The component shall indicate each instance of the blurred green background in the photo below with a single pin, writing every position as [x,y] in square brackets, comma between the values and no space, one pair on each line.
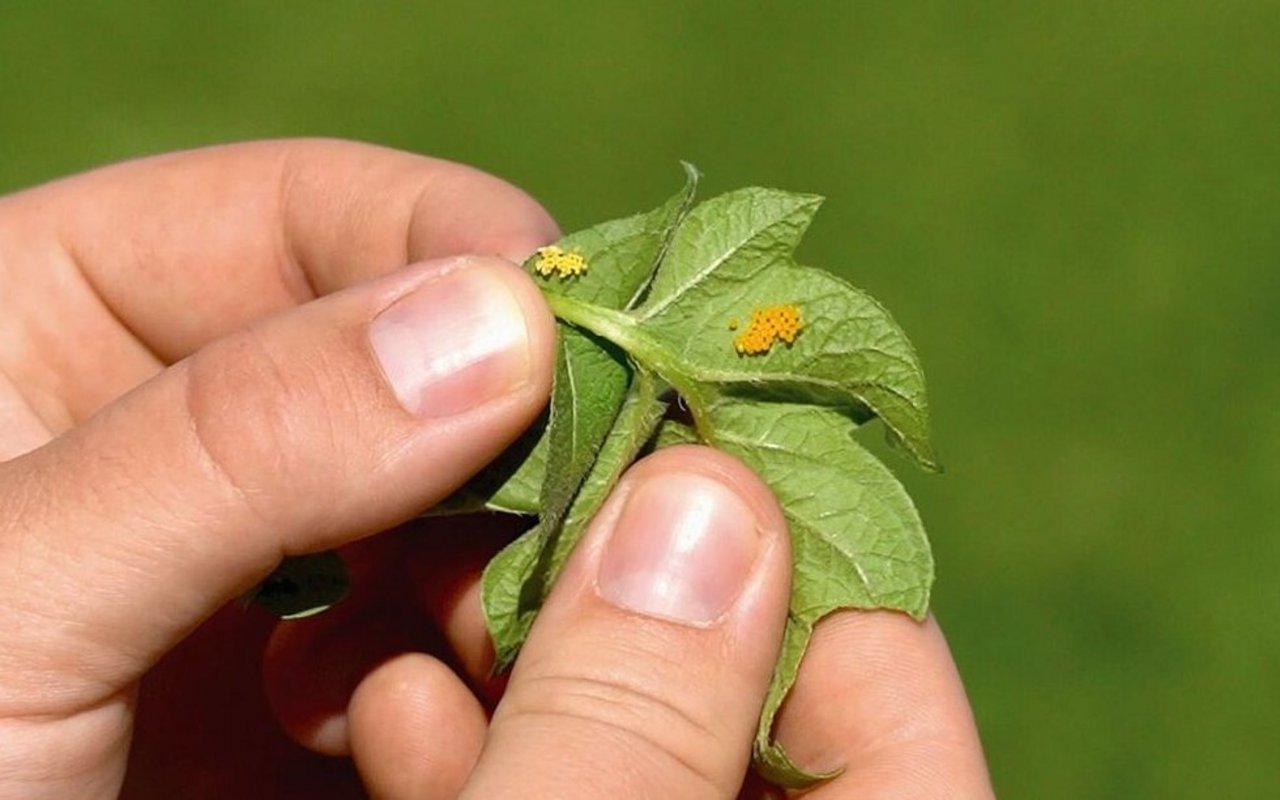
[1072,207]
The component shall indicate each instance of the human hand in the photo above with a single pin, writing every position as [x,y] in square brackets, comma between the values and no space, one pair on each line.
[139,498]
[135,517]
[608,700]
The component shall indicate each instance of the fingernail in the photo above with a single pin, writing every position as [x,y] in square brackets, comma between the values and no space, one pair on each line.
[454,343]
[681,549]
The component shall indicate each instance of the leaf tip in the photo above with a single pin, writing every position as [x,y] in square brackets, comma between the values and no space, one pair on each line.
[917,447]
[775,766]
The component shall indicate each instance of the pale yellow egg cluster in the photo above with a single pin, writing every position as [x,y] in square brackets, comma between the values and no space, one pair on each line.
[553,260]
[768,326]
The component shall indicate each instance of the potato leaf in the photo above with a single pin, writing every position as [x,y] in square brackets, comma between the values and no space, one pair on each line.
[856,539]
[731,257]
[518,579]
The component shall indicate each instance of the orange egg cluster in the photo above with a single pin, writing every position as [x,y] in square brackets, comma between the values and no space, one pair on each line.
[557,261]
[767,326]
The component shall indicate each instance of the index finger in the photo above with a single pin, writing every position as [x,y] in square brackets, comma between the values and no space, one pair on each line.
[184,247]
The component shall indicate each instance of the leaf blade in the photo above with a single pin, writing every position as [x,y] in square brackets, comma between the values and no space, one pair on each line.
[731,256]
[857,540]
[517,580]
[741,231]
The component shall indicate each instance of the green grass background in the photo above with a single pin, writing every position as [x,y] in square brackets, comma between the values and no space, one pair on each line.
[1072,207]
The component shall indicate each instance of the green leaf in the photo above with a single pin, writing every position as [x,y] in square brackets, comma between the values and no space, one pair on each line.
[517,581]
[849,354]
[508,610]
[856,539]
[592,376]
[591,383]
[636,422]
[771,761]
[673,432]
[732,255]
[789,411]
[302,586]
[736,233]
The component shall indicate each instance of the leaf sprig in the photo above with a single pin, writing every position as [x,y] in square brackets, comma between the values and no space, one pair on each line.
[653,306]
[654,311]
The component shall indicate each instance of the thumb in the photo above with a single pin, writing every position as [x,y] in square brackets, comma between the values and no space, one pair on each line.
[342,417]
[646,671]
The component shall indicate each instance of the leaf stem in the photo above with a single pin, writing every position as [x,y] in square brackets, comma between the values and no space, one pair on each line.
[616,326]
[622,329]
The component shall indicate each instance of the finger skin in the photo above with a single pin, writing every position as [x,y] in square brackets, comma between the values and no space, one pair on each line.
[879,697]
[203,731]
[416,730]
[204,477]
[446,566]
[311,667]
[21,431]
[109,275]
[123,534]
[407,591]
[606,701]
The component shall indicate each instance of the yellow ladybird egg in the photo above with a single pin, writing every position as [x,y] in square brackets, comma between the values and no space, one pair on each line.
[554,260]
[768,326]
